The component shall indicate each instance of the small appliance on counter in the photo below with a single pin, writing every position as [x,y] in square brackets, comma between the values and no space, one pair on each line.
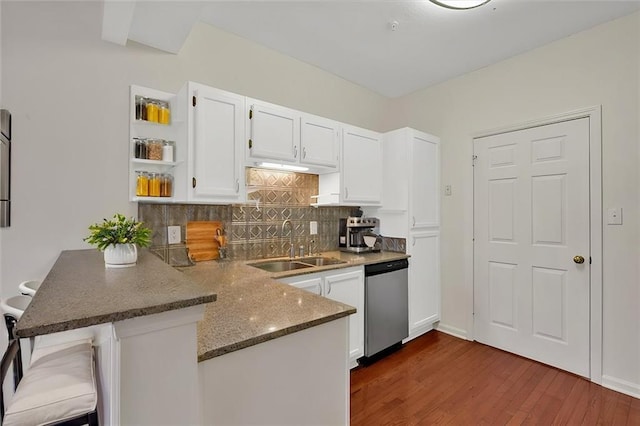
[353,231]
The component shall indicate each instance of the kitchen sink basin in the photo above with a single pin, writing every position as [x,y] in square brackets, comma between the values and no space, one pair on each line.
[280,265]
[321,261]
[290,265]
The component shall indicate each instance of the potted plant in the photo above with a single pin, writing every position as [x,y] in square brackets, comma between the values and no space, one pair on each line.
[118,239]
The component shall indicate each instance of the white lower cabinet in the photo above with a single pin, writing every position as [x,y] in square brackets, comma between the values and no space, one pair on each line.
[424,281]
[312,285]
[345,286]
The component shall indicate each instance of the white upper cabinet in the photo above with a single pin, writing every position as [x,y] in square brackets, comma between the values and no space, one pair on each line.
[285,136]
[274,132]
[424,194]
[215,140]
[361,169]
[411,170]
[320,141]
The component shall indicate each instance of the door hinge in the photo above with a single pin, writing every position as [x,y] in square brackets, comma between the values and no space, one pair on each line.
[589,260]
[250,114]
[193,182]
[473,160]
[193,101]
[250,144]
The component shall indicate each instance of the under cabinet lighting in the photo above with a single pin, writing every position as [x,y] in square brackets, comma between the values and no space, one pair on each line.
[283,167]
[459,4]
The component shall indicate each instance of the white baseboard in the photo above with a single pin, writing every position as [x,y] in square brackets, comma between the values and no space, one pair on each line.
[623,386]
[453,331]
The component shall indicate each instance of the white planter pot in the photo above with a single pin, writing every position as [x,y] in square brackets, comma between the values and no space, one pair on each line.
[120,256]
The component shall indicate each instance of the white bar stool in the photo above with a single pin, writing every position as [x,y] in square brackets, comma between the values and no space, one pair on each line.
[59,388]
[15,305]
[29,288]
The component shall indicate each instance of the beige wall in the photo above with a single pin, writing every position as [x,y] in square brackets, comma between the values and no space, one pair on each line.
[596,67]
[69,91]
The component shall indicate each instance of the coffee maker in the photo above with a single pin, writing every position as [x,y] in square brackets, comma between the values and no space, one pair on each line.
[352,232]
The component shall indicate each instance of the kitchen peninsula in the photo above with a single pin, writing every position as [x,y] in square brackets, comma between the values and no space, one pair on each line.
[149,317]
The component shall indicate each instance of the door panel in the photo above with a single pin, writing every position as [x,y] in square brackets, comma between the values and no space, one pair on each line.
[425,187]
[531,217]
[319,141]
[217,146]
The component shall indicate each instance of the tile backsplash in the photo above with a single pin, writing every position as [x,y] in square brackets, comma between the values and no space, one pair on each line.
[254,229]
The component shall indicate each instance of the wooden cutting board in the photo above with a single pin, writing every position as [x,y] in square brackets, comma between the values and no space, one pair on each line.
[201,241]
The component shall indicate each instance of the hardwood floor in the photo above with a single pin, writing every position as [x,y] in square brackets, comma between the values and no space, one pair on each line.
[439,379]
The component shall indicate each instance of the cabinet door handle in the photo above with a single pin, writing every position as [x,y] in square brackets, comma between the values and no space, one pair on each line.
[329,287]
[414,241]
[295,151]
[193,182]
[346,192]
[414,221]
[304,152]
[319,290]
[237,185]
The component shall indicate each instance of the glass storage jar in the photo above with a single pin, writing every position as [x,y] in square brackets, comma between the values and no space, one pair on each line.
[142,184]
[152,111]
[141,108]
[166,185]
[154,149]
[164,113]
[168,149]
[140,148]
[154,184]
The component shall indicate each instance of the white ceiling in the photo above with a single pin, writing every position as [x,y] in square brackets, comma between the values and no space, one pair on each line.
[355,40]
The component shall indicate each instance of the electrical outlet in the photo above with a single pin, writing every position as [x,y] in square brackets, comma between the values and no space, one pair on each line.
[173,234]
[313,227]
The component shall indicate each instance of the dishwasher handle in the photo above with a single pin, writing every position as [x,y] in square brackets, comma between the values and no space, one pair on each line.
[384,267]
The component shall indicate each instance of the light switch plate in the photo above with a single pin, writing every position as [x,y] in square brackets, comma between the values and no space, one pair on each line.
[614,216]
[173,234]
[313,227]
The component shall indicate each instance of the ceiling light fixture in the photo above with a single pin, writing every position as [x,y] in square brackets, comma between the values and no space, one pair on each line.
[460,4]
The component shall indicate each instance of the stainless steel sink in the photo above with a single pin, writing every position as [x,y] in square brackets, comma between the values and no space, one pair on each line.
[280,265]
[290,265]
[321,261]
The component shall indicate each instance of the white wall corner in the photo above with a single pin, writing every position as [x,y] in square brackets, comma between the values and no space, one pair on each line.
[117,17]
[452,331]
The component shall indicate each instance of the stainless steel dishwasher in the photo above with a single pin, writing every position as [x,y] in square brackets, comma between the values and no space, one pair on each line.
[386,309]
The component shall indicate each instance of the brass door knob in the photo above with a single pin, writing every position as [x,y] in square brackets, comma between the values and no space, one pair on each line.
[578,259]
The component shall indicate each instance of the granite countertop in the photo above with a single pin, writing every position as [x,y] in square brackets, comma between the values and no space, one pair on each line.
[80,292]
[253,307]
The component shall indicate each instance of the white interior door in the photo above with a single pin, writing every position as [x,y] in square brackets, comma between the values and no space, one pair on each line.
[531,218]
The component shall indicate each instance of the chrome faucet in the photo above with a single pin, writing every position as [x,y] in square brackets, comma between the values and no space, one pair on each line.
[292,251]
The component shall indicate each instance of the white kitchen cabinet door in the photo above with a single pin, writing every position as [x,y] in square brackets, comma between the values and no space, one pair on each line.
[348,288]
[424,281]
[274,132]
[319,140]
[312,285]
[424,181]
[216,163]
[361,169]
